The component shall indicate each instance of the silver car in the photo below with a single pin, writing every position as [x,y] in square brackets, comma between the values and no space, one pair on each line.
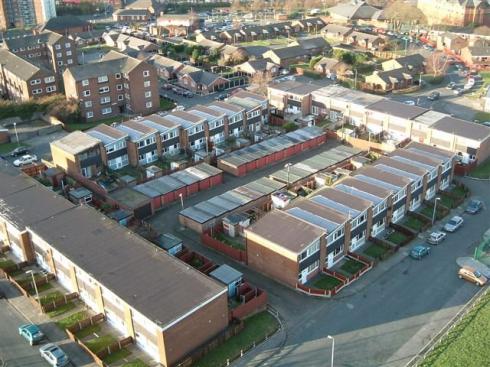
[436,237]
[453,224]
[54,355]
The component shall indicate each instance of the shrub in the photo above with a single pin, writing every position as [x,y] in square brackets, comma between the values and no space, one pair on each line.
[290,126]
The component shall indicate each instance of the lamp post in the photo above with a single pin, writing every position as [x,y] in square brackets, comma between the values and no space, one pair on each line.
[287,166]
[434,212]
[333,349]
[34,282]
[181,201]
[16,135]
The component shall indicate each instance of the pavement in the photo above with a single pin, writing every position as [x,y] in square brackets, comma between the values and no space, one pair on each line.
[14,350]
[383,319]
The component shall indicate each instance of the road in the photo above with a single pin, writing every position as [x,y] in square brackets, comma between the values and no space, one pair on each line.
[383,319]
[14,350]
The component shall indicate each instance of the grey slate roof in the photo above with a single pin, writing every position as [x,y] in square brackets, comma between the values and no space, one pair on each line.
[111,63]
[288,52]
[397,109]
[63,22]
[467,129]
[19,66]
[46,37]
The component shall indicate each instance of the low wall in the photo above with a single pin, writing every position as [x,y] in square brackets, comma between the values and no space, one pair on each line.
[254,305]
[366,145]
[236,254]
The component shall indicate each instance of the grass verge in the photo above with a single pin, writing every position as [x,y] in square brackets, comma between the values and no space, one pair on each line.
[482,171]
[71,320]
[467,343]
[256,329]
[82,126]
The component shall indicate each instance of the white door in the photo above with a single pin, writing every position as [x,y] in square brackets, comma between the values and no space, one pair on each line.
[330,260]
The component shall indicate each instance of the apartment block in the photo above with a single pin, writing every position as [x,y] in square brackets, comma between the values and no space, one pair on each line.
[21,80]
[178,310]
[291,97]
[143,142]
[49,49]
[78,154]
[256,109]
[168,137]
[116,84]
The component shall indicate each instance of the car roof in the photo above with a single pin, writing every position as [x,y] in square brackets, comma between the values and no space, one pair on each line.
[30,327]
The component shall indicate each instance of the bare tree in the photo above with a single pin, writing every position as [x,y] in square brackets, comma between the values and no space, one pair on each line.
[260,81]
[436,64]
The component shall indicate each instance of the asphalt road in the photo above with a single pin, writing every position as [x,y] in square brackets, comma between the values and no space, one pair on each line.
[14,350]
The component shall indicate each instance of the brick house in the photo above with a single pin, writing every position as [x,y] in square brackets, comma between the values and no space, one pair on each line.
[114,85]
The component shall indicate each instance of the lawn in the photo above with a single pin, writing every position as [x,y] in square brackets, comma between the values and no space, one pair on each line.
[196,262]
[482,116]
[89,330]
[397,238]
[117,356]
[467,343]
[270,42]
[324,281]
[8,147]
[48,298]
[62,309]
[413,223]
[100,343]
[71,320]
[459,191]
[166,104]
[482,171]
[135,363]
[375,251]
[6,263]
[447,201]
[229,241]
[351,266]
[41,288]
[82,126]
[256,328]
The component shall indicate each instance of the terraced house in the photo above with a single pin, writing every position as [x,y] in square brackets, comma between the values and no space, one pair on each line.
[178,310]
[114,85]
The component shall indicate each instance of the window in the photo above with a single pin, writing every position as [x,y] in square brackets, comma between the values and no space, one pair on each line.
[103,90]
[68,45]
[120,97]
[310,250]
[89,114]
[147,83]
[85,82]
[88,104]
[106,110]
[57,47]
[60,63]
[69,61]
[119,87]
[49,79]
[35,81]
[59,54]
[118,76]
[149,104]
[104,100]
[146,73]
[86,93]
[338,250]
[37,91]
[148,94]
[102,79]
[68,53]
[51,88]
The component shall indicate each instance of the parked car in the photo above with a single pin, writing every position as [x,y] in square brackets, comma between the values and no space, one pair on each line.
[453,224]
[31,333]
[178,108]
[436,237]
[188,94]
[472,275]
[474,207]
[221,97]
[25,159]
[409,103]
[419,251]
[451,85]
[434,96]
[54,355]
[458,91]
[19,151]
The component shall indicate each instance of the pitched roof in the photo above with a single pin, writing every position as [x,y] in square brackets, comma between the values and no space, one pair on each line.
[463,128]
[479,51]
[46,37]
[287,52]
[171,288]
[409,61]
[354,10]
[111,63]
[310,43]
[201,76]
[19,66]
[391,76]
[397,109]
[130,12]
[64,22]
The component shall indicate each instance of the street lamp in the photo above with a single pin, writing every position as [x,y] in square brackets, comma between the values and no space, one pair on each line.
[181,201]
[333,349]
[34,282]
[16,135]
[288,166]
[434,212]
